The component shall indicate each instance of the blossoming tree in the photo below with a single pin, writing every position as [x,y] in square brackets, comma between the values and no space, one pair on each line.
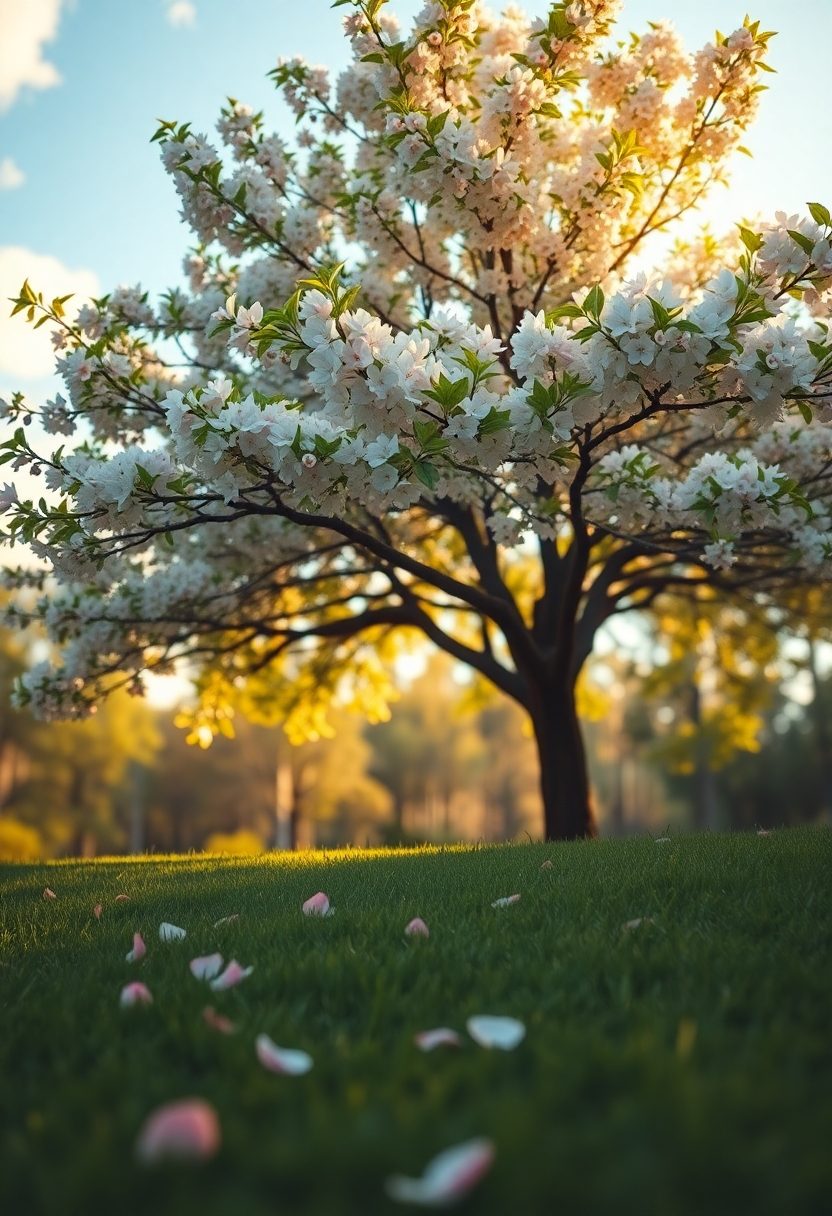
[421,380]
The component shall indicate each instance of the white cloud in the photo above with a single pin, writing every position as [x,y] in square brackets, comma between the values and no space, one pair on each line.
[181,13]
[25,25]
[26,353]
[11,175]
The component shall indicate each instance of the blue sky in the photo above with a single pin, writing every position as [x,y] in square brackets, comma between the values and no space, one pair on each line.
[94,196]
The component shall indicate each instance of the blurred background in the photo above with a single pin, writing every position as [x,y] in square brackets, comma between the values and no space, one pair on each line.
[717,717]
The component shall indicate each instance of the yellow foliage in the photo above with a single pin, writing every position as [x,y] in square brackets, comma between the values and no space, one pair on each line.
[243,843]
[18,841]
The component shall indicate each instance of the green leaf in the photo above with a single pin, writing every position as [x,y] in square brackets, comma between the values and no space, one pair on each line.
[820,214]
[594,302]
[805,243]
[427,473]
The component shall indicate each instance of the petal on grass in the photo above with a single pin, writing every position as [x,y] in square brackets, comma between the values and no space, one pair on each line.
[226,920]
[186,1130]
[546,865]
[505,901]
[662,840]
[637,922]
[97,910]
[122,899]
[171,933]
[135,994]
[447,1178]
[503,1033]
[763,831]
[48,893]
[206,967]
[218,1021]
[284,1060]
[417,928]
[233,975]
[318,905]
[442,1036]
[139,949]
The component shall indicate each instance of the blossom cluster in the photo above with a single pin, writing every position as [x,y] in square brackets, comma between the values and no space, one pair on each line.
[474,177]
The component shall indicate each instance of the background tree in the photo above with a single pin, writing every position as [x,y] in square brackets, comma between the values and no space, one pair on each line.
[488,384]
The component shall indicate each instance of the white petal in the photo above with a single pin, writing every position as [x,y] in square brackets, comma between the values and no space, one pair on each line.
[505,901]
[233,975]
[503,1033]
[206,967]
[442,1036]
[285,1060]
[171,933]
[447,1178]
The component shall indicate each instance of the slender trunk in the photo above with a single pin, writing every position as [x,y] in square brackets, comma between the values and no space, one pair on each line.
[705,799]
[564,781]
[823,742]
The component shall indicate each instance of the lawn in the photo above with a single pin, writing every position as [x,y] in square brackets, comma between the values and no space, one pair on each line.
[682,1066]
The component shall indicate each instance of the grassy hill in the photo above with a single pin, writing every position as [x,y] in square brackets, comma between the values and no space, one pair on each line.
[678,1066]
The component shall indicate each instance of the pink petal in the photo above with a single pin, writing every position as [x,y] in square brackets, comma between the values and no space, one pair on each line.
[97,910]
[447,1178]
[122,899]
[502,1033]
[226,920]
[135,994]
[547,865]
[285,1060]
[505,901]
[417,928]
[443,1036]
[186,1130]
[317,905]
[48,893]
[139,949]
[171,933]
[217,1021]
[206,967]
[233,975]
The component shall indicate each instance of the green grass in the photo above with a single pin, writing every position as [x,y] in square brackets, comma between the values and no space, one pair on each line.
[680,1068]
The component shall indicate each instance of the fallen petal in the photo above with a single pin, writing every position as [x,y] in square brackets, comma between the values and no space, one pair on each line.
[226,920]
[447,1178]
[637,922]
[547,865]
[135,994]
[206,967]
[443,1036]
[122,899]
[97,910]
[505,901]
[233,974]
[48,893]
[662,840]
[318,905]
[217,1021]
[139,949]
[764,831]
[284,1060]
[186,1130]
[417,928]
[171,933]
[502,1033]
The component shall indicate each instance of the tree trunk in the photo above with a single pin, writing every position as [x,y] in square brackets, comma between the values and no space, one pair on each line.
[564,781]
